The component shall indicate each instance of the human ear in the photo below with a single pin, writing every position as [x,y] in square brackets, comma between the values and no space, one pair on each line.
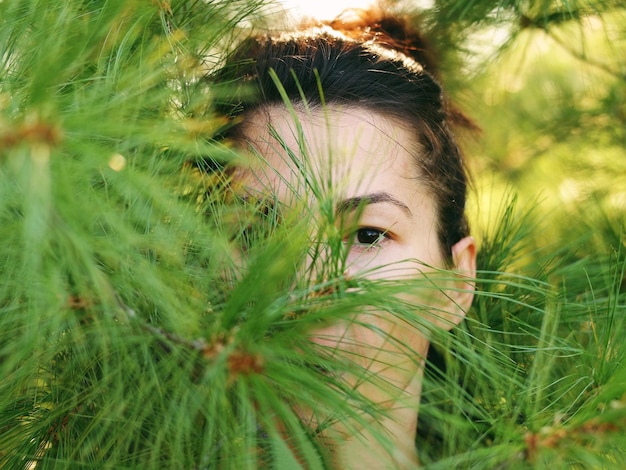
[462,292]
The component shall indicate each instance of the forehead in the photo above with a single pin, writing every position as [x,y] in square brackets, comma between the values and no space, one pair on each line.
[347,150]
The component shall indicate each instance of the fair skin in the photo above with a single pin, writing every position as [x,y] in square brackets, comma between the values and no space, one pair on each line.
[370,160]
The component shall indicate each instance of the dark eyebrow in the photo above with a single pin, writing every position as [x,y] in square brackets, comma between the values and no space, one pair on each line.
[353,203]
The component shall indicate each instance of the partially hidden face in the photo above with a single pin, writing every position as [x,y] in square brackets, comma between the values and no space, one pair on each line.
[388,217]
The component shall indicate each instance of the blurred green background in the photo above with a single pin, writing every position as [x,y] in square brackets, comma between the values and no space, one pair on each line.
[546,83]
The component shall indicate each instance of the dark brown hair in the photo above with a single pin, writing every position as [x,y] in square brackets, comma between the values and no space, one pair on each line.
[377,63]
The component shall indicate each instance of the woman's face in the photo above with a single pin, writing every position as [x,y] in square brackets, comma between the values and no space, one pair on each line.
[388,219]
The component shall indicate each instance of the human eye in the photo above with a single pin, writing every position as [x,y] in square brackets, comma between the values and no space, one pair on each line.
[368,237]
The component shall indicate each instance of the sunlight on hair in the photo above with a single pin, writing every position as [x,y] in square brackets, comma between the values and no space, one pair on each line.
[330,9]
[322,9]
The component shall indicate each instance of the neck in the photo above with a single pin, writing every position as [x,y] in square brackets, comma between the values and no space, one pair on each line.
[396,450]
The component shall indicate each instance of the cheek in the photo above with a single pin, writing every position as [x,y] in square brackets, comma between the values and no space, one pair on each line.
[380,344]
[360,262]
[386,262]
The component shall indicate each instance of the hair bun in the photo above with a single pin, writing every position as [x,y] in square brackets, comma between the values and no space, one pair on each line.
[393,31]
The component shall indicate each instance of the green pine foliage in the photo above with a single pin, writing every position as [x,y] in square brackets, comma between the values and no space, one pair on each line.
[133,335]
[539,378]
